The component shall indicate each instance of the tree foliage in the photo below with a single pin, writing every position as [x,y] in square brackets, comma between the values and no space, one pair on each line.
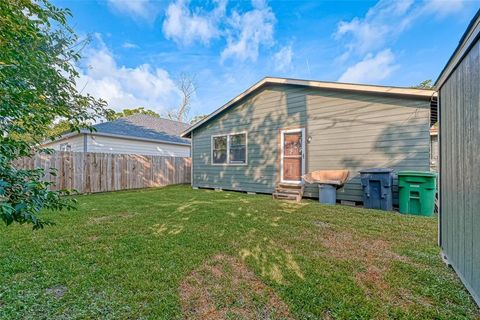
[198,118]
[38,52]
[425,84]
[59,128]
[130,112]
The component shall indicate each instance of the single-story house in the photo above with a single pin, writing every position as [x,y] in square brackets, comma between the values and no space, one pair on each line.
[279,129]
[459,117]
[434,149]
[138,134]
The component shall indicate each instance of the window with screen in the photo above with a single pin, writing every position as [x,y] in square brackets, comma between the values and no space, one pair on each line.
[238,148]
[219,149]
[229,148]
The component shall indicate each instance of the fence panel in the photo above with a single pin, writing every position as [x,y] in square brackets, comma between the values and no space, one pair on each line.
[101,172]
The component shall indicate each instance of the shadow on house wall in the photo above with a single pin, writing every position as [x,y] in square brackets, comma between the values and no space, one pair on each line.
[262,115]
[324,113]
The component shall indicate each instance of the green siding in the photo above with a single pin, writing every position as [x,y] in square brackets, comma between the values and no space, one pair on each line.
[348,130]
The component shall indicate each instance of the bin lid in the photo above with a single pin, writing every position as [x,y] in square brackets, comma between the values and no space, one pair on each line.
[417,173]
[377,170]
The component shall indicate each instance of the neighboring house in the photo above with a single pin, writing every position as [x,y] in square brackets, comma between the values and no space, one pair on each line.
[280,129]
[434,149]
[459,96]
[137,134]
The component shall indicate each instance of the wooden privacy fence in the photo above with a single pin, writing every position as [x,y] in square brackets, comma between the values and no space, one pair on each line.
[100,172]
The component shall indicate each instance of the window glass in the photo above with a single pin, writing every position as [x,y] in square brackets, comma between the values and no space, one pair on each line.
[238,148]
[292,144]
[65,147]
[220,149]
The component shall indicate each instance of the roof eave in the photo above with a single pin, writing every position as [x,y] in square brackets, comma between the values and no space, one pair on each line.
[138,138]
[468,39]
[72,134]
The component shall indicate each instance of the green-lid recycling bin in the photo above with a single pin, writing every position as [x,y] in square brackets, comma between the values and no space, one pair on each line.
[416,192]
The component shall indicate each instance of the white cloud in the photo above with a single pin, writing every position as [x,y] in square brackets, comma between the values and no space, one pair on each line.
[129,45]
[383,21]
[185,26]
[146,10]
[245,32]
[283,58]
[386,20]
[248,31]
[444,7]
[124,87]
[367,37]
[371,69]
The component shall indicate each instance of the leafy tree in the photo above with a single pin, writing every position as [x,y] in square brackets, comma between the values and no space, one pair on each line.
[130,112]
[197,118]
[426,84]
[59,128]
[38,52]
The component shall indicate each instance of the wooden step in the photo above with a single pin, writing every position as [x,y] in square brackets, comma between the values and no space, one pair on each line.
[291,191]
[286,191]
[287,196]
[289,186]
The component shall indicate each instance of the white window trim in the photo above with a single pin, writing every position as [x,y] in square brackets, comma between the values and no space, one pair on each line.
[282,140]
[228,149]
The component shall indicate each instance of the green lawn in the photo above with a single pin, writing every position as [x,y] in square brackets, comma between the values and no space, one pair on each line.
[175,252]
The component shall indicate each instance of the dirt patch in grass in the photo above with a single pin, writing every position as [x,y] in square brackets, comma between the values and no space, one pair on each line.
[57,291]
[93,238]
[321,224]
[224,288]
[347,246]
[373,258]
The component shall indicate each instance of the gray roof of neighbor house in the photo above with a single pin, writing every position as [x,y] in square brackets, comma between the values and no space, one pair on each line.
[386,90]
[140,127]
[145,127]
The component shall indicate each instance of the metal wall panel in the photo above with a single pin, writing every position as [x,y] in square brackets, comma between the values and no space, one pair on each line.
[460,169]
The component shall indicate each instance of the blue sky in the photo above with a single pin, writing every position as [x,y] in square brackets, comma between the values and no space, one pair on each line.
[140,47]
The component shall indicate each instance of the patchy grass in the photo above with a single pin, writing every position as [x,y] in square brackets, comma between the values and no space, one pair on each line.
[176,253]
[223,288]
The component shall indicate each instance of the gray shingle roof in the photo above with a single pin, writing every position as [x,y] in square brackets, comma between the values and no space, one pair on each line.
[145,127]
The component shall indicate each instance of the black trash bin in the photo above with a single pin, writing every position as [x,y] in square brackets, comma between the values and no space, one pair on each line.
[377,186]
